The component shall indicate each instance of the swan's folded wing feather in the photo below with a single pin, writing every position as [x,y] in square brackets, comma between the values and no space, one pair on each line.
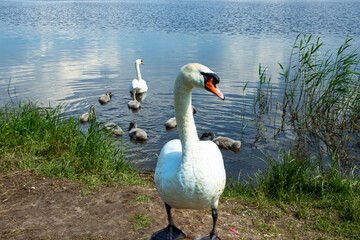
[134,84]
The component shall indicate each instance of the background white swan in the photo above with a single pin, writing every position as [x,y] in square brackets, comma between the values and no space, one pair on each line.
[190,173]
[138,84]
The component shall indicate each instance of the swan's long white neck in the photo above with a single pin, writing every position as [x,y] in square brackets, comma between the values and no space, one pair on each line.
[137,67]
[184,117]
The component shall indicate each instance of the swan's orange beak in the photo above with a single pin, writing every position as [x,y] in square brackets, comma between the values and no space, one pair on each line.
[142,62]
[212,87]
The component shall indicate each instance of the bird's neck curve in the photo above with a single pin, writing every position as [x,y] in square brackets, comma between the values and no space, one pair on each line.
[137,67]
[184,118]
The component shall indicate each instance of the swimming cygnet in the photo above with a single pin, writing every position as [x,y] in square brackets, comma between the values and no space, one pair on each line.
[222,142]
[86,117]
[104,99]
[134,104]
[137,134]
[114,128]
[171,123]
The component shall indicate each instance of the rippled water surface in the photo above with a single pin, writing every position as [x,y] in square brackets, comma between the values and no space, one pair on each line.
[74,51]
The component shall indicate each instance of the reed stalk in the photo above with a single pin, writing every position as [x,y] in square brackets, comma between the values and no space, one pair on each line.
[320,95]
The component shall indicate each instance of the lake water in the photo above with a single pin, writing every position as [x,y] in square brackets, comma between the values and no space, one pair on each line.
[74,51]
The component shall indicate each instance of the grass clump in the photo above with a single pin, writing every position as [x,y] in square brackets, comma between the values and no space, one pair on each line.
[328,198]
[45,140]
[143,198]
[141,222]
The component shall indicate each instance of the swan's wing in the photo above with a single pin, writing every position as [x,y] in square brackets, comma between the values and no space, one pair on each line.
[170,154]
[211,154]
[134,84]
[168,161]
[142,86]
[213,166]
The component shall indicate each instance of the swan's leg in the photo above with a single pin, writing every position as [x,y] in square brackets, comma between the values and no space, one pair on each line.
[170,232]
[212,235]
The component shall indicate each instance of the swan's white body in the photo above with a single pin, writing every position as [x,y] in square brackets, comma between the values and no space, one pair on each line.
[183,182]
[189,173]
[138,84]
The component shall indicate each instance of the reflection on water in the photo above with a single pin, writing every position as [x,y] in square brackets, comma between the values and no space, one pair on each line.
[73,52]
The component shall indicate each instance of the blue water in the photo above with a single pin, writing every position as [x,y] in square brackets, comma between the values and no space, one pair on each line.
[72,52]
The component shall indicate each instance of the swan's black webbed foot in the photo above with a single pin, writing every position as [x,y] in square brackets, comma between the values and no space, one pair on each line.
[212,235]
[169,233]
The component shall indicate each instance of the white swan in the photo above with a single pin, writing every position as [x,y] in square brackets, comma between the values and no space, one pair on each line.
[138,84]
[190,173]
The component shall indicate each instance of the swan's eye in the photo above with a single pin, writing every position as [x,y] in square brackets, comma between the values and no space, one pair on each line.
[207,76]
[211,81]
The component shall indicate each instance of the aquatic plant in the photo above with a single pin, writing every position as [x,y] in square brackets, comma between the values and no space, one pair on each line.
[321,96]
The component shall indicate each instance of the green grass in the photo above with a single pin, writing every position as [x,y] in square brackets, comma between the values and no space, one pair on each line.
[141,221]
[143,198]
[328,198]
[44,140]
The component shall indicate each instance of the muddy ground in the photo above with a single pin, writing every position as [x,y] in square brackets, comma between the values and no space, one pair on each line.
[34,207]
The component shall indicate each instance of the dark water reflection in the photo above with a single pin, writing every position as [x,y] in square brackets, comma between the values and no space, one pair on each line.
[74,51]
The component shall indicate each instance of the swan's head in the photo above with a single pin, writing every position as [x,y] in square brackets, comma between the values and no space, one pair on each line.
[132,125]
[139,61]
[207,135]
[108,93]
[200,76]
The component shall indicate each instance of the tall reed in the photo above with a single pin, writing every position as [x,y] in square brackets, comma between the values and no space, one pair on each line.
[321,95]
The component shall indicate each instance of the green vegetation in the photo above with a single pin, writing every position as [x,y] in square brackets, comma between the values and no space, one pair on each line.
[321,106]
[321,97]
[329,199]
[141,222]
[44,140]
[143,198]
